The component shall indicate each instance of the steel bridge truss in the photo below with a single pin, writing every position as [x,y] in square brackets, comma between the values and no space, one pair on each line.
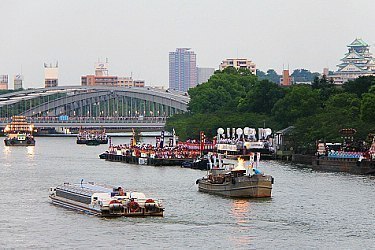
[83,101]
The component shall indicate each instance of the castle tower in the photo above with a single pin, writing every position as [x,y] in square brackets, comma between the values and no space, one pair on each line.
[358,61]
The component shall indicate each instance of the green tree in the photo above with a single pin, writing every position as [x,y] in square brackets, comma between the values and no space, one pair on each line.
[368,107]
[222,91]
[261,97]
[360,85]
[300,101]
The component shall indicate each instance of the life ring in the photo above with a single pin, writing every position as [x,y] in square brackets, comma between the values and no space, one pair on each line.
[134,206]
[114,202]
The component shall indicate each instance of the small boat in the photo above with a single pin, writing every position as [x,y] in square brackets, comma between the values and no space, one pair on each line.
[236,182]
[19,132]
[104,200]
[201,163]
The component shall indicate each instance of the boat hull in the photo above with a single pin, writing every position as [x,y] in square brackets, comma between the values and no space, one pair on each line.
[256,186]
[352,166]
[82,141]
[82,207]
[144,160]
[11,142]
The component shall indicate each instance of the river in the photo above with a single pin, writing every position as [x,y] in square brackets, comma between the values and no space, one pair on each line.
[308,209]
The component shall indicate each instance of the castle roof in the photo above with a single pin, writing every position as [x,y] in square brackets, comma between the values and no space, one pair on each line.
[351,68]
[353,55]
[358,42]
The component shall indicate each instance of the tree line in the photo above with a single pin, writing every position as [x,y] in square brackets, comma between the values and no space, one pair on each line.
[236,98]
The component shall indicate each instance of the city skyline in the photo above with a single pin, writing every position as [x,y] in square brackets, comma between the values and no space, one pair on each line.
[137,39]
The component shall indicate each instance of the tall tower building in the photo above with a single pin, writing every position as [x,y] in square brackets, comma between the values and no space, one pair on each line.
[182,69]
[18,80]
[286,79]
[51,75]
[3,82]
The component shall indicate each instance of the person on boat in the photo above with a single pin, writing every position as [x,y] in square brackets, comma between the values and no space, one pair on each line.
[257,171]
[121,191]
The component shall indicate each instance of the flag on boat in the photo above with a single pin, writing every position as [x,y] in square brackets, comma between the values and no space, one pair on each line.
[133,141]
[258,159]
[162,139]
[174,138]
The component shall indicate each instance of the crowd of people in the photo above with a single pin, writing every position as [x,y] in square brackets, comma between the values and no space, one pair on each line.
[180,151]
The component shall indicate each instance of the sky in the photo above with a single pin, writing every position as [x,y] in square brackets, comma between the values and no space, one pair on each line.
[137,36]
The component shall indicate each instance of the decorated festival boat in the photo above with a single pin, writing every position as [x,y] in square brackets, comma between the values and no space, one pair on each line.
[104,200]
[92,137]
[240,181]
[336,157]
[242,142]
[172,154]
[19,132]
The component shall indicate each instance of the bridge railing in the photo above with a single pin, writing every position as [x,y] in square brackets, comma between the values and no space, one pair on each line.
[89,120]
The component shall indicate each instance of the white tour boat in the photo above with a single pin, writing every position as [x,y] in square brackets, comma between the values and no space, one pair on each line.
[104,200]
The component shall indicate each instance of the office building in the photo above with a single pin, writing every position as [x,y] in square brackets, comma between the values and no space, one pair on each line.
[182,69]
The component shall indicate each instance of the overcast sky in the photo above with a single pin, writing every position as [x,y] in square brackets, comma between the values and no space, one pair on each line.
[136,36]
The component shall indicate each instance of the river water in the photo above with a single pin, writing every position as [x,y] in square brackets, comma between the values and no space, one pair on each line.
[307,210]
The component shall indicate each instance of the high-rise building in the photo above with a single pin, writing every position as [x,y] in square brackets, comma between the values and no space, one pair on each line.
[182,69]
[239,63]
[3,82]
[102,78]
[203,74]
[18,80]
[51,75]
[358,61]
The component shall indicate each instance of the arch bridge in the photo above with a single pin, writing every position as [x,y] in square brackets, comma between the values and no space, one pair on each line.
[90,101]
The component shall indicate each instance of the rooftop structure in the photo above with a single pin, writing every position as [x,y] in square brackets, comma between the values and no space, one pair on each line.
[3,82]
[239,63]
[102,78]
[358,61]
[18,80]
[51,75]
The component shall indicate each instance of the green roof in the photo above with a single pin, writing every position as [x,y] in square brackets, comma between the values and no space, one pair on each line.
[358,42]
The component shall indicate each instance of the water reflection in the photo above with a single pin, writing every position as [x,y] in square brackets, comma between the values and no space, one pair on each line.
[240,210]
[6,151]
[30,152]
